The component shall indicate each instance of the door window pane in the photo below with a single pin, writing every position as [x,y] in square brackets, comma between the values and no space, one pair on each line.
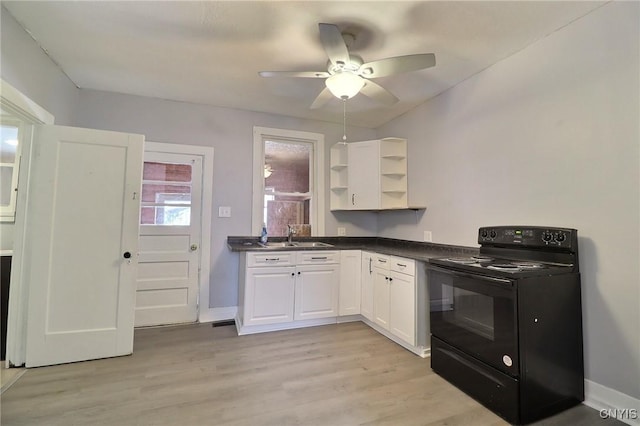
[166,194]
[166,172]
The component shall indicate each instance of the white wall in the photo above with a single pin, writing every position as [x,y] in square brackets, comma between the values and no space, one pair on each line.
[27,68]
[549,136]
[230,132]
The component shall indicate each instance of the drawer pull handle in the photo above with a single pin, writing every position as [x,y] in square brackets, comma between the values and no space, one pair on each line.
[401,265]
[319,258]
[272,259]
[382,260]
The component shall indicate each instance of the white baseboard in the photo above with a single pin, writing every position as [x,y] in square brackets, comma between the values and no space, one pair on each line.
[421,351]
[612,403]
[217,314]
[263,328]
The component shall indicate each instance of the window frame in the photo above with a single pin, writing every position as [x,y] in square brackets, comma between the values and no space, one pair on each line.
[316,213]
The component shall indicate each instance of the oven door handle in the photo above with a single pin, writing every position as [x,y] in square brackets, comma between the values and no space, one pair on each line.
[501,281]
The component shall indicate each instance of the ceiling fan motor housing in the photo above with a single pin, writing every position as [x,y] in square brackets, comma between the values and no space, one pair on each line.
[353,65]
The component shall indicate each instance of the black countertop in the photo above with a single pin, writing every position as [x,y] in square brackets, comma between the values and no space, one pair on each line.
[403,248]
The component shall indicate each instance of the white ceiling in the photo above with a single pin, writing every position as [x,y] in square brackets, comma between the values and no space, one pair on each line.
[210,52]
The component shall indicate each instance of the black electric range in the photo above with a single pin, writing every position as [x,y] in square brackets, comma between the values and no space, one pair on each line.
[506,325]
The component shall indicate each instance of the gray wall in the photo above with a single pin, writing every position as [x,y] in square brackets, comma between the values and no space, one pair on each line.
[230,132]
[26,67]
[549,136]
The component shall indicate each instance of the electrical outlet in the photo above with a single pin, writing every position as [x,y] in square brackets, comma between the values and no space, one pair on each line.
[224,211]
[342,232]
[427,236]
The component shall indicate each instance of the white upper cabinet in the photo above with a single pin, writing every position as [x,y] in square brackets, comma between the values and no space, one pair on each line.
[369,175]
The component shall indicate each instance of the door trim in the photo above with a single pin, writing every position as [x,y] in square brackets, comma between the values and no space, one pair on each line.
[19,105]
[206,152]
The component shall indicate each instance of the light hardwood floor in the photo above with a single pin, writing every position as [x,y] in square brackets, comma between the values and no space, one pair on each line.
[335,375]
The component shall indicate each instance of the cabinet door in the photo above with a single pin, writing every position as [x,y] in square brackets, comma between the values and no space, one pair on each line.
[269,295]
[316,293]
[366,301]
[402,306]
[381,297]
[349,299]
[364,175]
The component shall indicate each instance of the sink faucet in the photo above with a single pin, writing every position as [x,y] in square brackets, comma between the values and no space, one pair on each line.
[290,233]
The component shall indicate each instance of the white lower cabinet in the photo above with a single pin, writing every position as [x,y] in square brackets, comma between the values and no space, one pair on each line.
[316,292]
[350,282]
[366,284]
[280,290]
[381,290]
[381,297]
[285,287]
[402,306]
[394,296]
[269,295]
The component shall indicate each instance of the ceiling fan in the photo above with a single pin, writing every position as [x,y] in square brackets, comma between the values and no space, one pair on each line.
[347,74]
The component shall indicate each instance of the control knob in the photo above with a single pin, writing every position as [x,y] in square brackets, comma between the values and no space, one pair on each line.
[484,233]
[493,233]
[547,236]
[560,237]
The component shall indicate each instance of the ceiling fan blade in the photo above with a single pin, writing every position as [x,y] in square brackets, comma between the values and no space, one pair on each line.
[378,93]
[334,44]
[324,97]
[388,66]
[303,74]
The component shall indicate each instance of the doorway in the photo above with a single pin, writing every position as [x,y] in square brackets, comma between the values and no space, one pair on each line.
[174,238]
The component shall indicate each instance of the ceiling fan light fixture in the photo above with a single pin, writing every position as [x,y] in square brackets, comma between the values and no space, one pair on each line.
[344,85]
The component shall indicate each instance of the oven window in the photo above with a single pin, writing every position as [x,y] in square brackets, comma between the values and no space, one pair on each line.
[469,310]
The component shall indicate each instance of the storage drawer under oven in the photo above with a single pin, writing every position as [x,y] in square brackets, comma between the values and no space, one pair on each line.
[494,389]
[477,315]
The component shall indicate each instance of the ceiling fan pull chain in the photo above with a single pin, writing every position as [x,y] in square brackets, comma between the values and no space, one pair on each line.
[344,120]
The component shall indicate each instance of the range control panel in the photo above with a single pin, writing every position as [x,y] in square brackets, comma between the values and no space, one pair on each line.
[530,236]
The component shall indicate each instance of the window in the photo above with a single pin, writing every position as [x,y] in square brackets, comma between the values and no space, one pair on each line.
[166,194]
[9,161]
[288,181]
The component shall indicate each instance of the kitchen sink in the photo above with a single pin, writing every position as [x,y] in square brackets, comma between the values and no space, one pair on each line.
[311,244]
[301,244]
[277,244]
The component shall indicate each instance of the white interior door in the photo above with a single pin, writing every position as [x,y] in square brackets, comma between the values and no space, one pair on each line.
[82,219]
[170,234]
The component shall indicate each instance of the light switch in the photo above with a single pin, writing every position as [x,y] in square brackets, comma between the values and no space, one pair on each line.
[427,236]
[224,211]
[342,232]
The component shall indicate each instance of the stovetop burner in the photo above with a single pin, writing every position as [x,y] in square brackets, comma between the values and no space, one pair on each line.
[514,252]
[470,260]
[516,266]
[501,265]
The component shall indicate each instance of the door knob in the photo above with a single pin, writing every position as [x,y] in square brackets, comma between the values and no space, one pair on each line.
[194,247]
[127,255]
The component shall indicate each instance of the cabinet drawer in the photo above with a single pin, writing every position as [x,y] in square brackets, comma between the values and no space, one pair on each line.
[381,261]
[317,257]
[402,265]
[276,258]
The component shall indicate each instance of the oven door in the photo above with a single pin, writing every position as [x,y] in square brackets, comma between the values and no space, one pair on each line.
[477,315]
